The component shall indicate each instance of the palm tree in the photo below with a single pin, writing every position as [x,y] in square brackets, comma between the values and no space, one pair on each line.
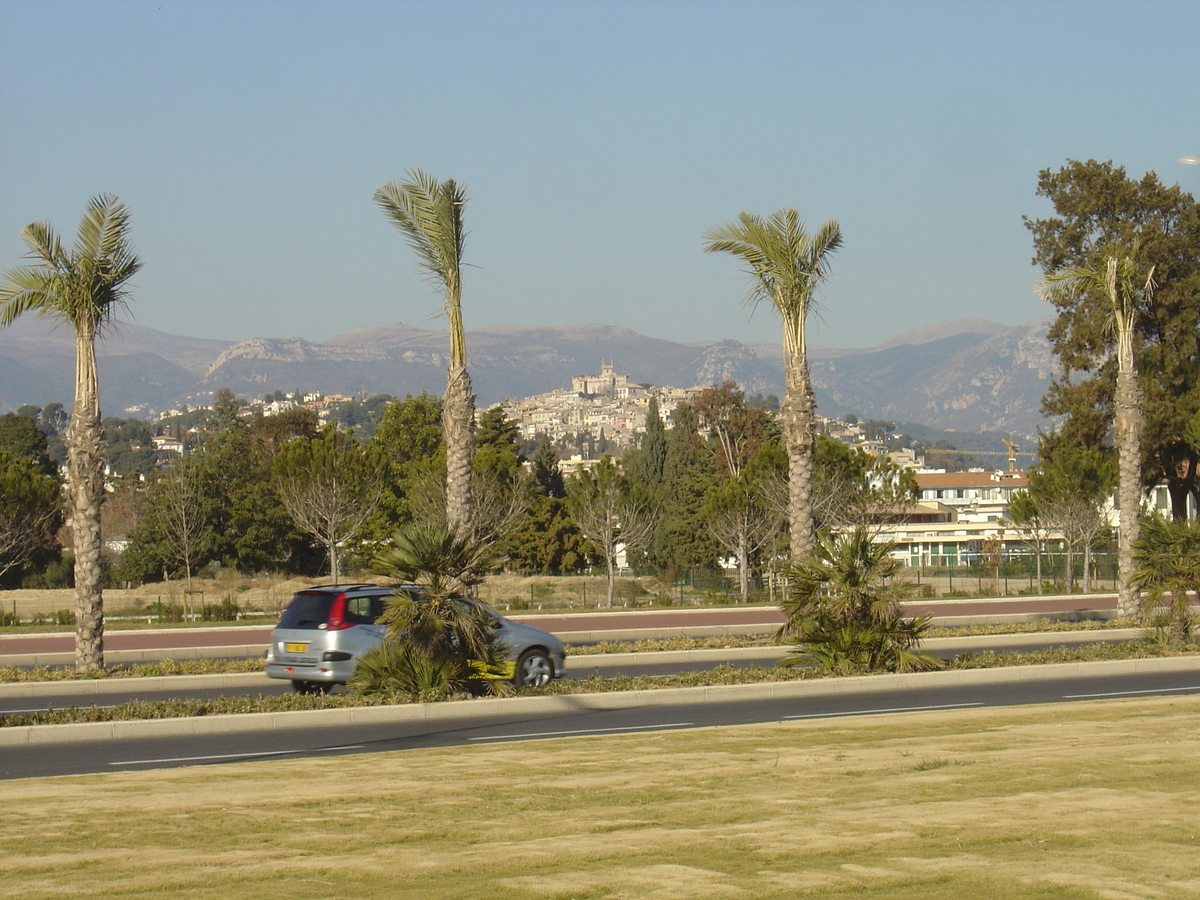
[787,265]
[1168,567]
[1118,279]
[842,608]
[83,287]
[429,213]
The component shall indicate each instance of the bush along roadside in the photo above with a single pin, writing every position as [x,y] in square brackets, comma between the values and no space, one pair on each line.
[722,675]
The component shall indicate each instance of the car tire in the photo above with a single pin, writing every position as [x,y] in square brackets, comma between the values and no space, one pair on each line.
[312,687]
[534,669]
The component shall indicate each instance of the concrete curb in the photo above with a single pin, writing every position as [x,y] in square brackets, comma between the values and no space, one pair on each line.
[488,707]
[51,660]
[98,687]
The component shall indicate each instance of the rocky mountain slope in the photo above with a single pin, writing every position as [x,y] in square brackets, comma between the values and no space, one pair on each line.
[968,375]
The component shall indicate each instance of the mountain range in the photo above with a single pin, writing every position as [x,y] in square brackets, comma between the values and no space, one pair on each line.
[967,375]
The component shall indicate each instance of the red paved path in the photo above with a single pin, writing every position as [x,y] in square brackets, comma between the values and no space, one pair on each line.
[562,624]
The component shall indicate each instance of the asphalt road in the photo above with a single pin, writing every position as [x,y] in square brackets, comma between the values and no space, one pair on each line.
[492,722]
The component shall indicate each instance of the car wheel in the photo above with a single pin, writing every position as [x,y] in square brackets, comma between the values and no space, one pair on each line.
[533,669]
[312,687]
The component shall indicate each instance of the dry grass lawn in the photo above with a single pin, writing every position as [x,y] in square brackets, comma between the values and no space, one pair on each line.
[1098,800]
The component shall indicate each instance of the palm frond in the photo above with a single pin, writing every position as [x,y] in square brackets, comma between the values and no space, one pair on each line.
[429,213]
[84,286]
[785,262]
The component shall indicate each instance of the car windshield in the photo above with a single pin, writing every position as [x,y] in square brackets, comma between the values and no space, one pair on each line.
[307,611]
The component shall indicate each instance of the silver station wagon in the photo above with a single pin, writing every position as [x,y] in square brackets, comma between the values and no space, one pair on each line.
[323,631]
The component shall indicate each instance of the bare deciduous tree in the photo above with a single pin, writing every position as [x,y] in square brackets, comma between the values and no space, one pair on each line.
[329,486]
[609,514]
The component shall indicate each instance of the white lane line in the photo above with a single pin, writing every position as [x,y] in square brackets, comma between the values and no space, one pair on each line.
[1180,690]
[172,759]
[42,709]
[863,712]
[629,728]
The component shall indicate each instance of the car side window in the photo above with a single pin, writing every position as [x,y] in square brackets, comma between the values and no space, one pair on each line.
[378,605]
[358,610]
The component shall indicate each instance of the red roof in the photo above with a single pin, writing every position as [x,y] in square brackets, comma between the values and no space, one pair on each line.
[971,479]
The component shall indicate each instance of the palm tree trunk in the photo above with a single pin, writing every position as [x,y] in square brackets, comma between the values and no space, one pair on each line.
[1179,629]
[458,423]
[798,415]
[1127,429]
[85,490]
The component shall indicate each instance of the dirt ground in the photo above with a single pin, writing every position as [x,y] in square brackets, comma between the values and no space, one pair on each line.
[266,594]
[1095,800]
[270,595]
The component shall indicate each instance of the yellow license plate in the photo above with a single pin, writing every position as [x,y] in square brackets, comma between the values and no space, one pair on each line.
[295,648]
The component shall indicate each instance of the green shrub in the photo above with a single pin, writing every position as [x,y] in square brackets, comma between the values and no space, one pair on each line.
[164,612]
[225,611]
[391,670]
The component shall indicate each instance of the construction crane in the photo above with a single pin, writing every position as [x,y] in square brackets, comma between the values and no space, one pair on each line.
[1012,454]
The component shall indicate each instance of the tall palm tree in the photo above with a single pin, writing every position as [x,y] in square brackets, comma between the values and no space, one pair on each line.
[83,287]
[1118,279]
[429,213]
[787,266]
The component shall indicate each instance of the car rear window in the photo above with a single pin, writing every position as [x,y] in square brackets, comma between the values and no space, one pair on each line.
[307,611]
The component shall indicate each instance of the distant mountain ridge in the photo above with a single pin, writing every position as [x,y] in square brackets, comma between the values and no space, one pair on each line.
[968,375]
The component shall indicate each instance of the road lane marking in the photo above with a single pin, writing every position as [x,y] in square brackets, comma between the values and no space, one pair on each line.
[173,759]
[49,709]
[890,709]
[1180,690]
[633,729]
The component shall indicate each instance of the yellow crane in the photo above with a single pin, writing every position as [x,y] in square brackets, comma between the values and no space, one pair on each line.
[1012,454]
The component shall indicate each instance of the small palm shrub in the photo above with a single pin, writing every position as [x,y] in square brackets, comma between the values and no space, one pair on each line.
[393,670]
[1167,567]
[438,644]
[842,605]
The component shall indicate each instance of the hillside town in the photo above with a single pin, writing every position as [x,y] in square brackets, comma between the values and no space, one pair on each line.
[958,516]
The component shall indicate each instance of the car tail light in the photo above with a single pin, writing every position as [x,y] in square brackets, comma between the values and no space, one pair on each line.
[337,614]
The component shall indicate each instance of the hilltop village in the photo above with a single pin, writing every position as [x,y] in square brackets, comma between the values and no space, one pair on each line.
[957,513]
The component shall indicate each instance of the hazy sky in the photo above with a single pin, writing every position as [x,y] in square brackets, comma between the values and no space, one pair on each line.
[598,141]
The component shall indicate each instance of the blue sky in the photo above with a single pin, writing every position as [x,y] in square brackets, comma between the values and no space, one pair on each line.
[598,141]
